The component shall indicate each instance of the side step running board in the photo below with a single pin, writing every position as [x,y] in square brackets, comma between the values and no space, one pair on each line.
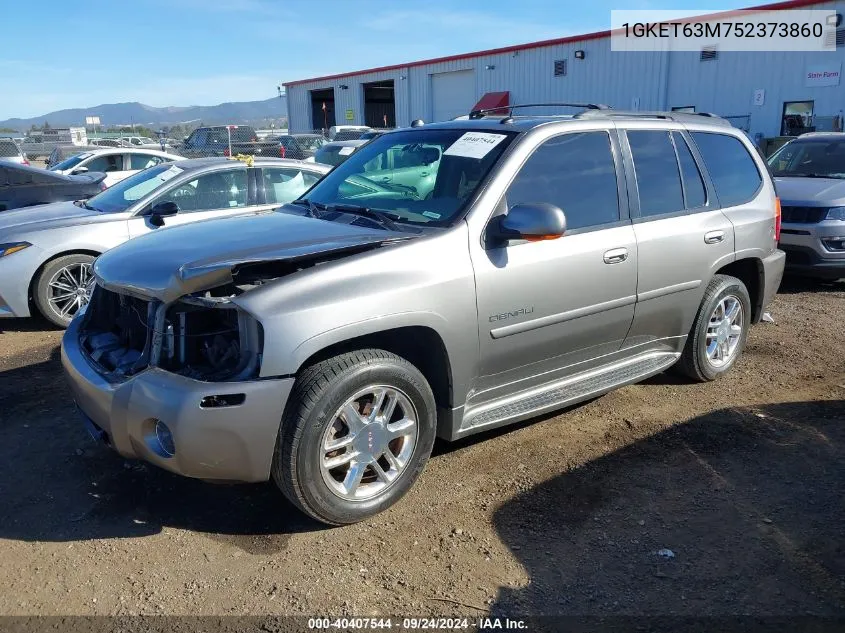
[564,392]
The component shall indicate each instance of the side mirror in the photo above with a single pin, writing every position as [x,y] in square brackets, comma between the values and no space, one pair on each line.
[80,170]
[161,210]
[530,221]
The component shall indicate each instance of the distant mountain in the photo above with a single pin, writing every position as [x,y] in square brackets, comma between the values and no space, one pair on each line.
[128,113]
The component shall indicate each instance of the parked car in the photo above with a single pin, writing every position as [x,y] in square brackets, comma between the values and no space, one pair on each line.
[229,140]
[117,163]
[11,152]
[105,142]
[355,130]
[46,252]
[335,152]
[326,344]
[810,177]
[63,152]
[26,186]
[299,146]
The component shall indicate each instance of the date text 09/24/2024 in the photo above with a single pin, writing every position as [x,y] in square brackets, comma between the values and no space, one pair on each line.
[418,624]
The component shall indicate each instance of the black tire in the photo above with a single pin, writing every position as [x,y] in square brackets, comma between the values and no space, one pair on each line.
[41,289]
[318,393]
[694,361]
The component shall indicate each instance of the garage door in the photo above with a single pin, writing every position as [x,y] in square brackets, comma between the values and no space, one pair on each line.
[452,94]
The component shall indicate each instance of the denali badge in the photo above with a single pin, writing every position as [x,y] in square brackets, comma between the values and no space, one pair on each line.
[509,315]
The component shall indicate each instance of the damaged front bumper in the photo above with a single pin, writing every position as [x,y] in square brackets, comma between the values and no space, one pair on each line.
[215,430]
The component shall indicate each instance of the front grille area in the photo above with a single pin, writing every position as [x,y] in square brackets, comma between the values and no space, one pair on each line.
[116,332]
[803,215]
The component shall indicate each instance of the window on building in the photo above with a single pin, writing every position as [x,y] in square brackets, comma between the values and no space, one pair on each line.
[732,170]
[560,68]
[797,118]
[656,168]
[575,172]
[709,54]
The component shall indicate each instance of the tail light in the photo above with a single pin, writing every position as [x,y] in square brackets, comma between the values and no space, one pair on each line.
[281,151]
[25,162]
[226,152]
[777,219]
[103,185]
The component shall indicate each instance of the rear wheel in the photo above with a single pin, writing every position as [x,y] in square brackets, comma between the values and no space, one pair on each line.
[63,287]
[721,326]
[357,431]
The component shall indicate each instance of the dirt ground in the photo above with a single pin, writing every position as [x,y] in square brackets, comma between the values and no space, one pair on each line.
[742,480]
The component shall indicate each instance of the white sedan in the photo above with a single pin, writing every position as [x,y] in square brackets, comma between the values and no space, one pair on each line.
[118,162]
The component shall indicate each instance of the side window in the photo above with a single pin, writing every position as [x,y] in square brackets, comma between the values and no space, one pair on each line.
[109,162]
[694,193]
[656,167]
[142,161]
[732,170]
[217,190]
[575,172]
[284,185]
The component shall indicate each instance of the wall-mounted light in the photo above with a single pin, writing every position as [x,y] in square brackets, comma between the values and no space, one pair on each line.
[490,67]
[402,77]
[580,54]
[343,87]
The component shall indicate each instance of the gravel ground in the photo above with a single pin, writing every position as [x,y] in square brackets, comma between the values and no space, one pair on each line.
[741,481]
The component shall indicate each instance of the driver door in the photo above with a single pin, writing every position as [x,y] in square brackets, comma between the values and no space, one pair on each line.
[215,194]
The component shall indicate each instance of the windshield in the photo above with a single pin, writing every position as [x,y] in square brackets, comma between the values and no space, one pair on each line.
[811,158]
[417,176]
[69,163]
[125,193]
[311,142]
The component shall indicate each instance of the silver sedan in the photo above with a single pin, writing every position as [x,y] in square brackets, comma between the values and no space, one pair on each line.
[46,251]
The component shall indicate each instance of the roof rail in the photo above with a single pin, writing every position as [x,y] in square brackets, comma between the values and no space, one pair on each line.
[680,117]
[477,114]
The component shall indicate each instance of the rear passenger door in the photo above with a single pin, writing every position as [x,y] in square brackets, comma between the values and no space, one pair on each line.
[682,235]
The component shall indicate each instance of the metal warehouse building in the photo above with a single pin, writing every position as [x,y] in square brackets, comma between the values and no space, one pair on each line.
[766,93]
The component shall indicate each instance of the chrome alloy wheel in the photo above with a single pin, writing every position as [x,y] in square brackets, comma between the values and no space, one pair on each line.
[724,331]
[368,444]
[70,288]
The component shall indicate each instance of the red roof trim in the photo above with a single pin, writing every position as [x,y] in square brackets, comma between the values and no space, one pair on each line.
[789,4]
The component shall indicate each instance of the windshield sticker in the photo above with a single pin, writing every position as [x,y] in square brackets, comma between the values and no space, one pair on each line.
[431,214]
[170,173]
[474,144]
[346,151]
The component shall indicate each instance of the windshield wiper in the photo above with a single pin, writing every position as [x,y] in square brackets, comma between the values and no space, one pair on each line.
[365,212]
[313,207]
[89,207]
[811,175]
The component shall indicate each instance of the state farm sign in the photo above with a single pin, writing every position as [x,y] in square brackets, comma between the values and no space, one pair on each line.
[823,75]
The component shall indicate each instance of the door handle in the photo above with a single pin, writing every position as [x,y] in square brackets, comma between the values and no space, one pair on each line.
[616,255]
[714,237]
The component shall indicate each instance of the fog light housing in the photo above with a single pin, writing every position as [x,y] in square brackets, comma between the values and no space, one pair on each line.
[165,439]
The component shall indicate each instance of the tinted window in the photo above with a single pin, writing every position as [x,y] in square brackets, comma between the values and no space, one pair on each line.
[284,185]
[694,192]
[813,158]
[656,167]
[574,172]
[111,162]
[142,161]
[731,168]
[217,190]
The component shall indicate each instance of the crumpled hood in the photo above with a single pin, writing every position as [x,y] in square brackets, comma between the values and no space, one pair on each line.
[170,263]
[802,192]
[49,216]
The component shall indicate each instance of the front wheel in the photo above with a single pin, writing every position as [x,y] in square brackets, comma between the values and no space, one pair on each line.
[718,335]
[63,287]
[357,432]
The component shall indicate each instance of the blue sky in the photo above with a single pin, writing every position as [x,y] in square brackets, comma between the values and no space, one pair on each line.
[60,54]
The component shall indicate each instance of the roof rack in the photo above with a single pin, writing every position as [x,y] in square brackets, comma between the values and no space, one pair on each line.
[680,117]
[477,114]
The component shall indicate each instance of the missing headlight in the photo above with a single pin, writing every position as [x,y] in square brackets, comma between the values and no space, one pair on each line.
[221,343]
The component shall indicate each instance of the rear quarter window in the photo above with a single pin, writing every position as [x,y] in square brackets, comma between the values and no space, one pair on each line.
[732,169]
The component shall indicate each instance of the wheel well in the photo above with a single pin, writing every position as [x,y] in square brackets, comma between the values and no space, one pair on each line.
[750,272]
[37,274]
[421,346]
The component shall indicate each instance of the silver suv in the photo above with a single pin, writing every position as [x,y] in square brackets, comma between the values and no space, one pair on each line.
[325,344]
[810,178]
